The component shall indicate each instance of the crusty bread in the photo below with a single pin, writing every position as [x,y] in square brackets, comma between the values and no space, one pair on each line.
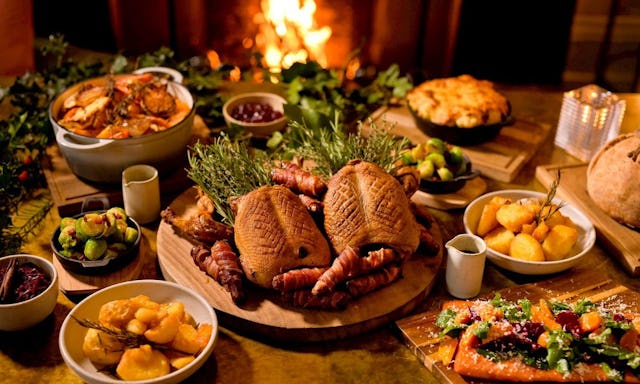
[613,176]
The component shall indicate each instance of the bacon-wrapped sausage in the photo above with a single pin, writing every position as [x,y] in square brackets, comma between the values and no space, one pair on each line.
[298,180]
[296,279]
[221,263]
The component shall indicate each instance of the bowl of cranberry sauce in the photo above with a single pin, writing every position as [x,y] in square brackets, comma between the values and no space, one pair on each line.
[258,113]
[28,291]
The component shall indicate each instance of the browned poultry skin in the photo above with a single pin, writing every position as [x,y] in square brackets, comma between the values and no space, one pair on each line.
[364,205]
[274,233]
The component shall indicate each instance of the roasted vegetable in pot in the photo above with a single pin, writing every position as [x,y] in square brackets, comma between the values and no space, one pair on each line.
[96,235]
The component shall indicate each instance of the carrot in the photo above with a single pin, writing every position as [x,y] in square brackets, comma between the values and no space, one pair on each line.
[542,314]
[543,339]
[590,321]
[447,350]
[629,340]
[461,308]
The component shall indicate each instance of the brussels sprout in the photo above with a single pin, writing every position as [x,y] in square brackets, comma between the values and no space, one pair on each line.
[445,174]
[109,224]
[438,159]
[72,254]
[68,237]
[118,212]
[90,225]
[455,155]
[426,168]
[436,145]
[114,250]
[95,248]
[120,228]
[130,235]
[66,221]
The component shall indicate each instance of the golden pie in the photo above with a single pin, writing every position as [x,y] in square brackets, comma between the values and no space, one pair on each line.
[463,102]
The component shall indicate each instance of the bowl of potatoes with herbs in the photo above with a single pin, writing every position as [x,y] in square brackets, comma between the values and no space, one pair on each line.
[96,242]
[528,232]
[443,168]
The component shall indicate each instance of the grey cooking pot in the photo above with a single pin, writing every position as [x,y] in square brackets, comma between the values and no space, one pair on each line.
[103,160]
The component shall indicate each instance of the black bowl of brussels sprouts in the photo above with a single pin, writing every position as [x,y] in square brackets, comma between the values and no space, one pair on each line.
[443,168]
[96,242]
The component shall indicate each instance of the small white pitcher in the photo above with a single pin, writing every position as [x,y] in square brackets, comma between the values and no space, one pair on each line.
[141,193]
[466,256]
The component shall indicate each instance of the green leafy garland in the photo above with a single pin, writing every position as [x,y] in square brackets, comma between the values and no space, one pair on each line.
[26,133]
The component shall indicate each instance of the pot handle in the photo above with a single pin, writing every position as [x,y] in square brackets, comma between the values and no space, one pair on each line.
[175,75]
[61,138]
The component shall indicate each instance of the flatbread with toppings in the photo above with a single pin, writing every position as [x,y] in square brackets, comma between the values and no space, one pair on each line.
[547,341]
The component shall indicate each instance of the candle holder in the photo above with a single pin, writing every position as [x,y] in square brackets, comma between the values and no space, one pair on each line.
[589,118]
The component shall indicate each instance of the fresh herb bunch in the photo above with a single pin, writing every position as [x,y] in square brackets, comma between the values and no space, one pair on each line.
[24,136]
[330,145]
[324,90]
[226,169]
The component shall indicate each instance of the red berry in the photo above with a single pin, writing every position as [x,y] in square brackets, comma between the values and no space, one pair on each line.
[23,176]
[27,160]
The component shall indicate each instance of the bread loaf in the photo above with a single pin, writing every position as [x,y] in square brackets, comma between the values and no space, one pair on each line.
[613,179]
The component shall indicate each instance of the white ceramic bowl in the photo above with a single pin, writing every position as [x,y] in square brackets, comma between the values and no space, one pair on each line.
[26,314]
[72,333]
[103,160]
[264,129]
[586,234]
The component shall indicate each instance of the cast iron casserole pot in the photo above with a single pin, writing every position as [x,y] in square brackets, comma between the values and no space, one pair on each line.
[103,160]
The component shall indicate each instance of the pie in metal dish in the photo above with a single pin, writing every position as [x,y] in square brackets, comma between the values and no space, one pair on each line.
[545,341]
[462,102]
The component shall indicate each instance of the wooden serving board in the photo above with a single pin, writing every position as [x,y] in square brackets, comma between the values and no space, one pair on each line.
[72,283]
[620,241]
[499,159]
[421,334]
[264,315]
[455,200]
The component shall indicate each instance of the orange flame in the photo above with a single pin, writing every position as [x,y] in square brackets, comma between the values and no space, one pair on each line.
[288,34]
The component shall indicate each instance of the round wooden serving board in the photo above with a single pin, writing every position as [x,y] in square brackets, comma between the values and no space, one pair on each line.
[264,315]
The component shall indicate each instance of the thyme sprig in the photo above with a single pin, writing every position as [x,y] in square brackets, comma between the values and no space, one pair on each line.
[547,209]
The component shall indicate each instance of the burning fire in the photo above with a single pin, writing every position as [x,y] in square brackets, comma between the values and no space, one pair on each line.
[288,34]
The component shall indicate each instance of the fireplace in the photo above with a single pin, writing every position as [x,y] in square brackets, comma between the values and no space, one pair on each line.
[436,37]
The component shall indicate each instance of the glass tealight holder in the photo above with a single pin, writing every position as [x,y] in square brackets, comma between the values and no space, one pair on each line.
[589,118]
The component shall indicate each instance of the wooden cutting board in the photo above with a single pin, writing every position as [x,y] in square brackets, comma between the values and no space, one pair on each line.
[499,159]
[264,315]
[420,333]
[621,242]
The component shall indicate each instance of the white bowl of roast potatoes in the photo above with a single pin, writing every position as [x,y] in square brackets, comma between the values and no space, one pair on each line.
[527,236]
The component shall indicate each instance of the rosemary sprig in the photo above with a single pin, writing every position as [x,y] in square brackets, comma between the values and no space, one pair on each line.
[331,148]
[548,209]
[129,339]
[226,169]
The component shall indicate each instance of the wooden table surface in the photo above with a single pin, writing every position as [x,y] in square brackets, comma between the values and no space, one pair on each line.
[379,356]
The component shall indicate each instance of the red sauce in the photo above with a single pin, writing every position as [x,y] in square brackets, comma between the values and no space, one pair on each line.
[28,282]
[255,112]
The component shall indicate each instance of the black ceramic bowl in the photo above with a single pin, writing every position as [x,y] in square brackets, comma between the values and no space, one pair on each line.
[441,187]
[97,267]
[460,136]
